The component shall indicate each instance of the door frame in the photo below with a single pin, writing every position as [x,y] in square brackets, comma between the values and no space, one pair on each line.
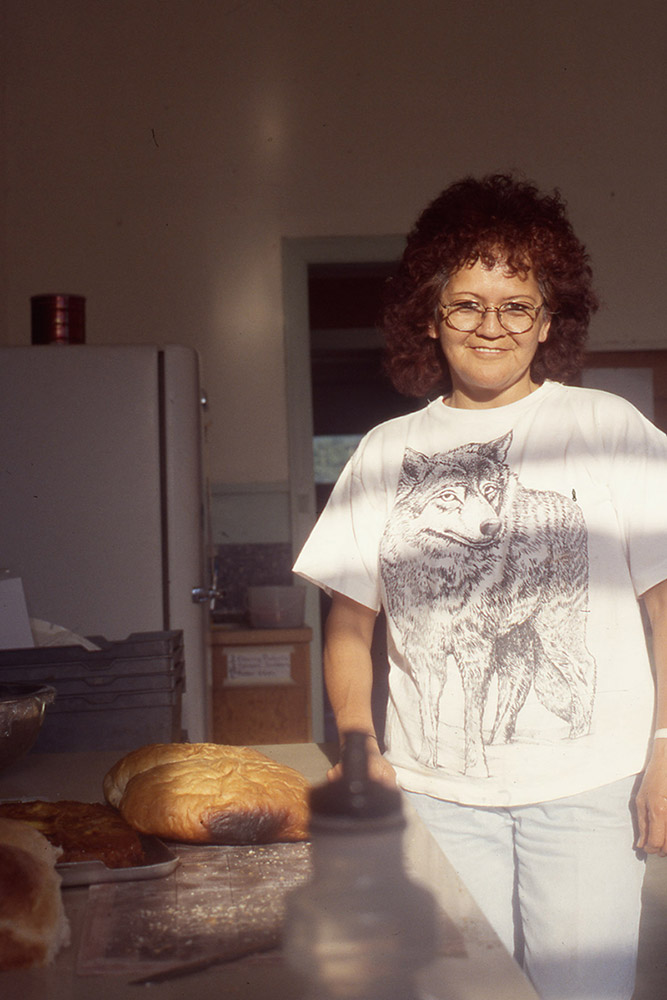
[297,255]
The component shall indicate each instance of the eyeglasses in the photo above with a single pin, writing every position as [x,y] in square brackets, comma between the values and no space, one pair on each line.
[514,317]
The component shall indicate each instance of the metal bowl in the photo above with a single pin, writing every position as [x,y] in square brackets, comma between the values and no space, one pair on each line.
[22,708]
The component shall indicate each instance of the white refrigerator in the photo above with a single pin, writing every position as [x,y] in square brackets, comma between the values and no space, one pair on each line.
[103,508]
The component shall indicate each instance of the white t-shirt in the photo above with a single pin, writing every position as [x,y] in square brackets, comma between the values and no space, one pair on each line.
[508,547]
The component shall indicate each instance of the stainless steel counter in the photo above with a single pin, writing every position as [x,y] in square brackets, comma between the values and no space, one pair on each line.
[485,970]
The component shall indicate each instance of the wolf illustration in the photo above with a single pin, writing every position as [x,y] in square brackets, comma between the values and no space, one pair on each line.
[476,566]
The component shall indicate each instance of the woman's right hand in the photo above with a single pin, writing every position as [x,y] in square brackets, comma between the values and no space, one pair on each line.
[378,768]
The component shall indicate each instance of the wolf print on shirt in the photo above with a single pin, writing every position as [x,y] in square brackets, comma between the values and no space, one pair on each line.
[477,567]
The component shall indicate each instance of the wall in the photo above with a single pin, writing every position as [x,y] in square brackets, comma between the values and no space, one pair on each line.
[156,151]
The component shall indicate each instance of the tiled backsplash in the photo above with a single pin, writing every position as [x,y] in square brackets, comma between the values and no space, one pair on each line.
[244,565]
[251,537]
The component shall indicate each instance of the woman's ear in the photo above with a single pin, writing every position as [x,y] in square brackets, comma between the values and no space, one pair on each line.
[544,331]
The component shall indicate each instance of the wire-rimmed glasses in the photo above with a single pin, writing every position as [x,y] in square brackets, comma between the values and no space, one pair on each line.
[514,317]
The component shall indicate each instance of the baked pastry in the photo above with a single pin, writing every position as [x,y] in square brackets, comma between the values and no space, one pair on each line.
[84,831]
[33,925]
[208,793]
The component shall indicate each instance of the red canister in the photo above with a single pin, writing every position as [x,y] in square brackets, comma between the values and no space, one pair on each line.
[58,319]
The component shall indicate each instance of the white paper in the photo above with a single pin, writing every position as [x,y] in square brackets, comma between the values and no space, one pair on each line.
[259,665]
[15,631]
[48,634]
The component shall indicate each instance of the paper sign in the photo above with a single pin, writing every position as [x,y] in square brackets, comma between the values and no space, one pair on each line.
[265,665]
[15,632]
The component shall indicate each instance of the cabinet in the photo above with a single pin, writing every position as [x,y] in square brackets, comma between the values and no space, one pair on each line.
[261,685]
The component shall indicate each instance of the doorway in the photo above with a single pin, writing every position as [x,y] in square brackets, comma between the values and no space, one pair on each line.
[335,392]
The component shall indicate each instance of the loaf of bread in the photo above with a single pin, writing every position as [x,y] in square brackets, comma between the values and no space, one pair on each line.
[33,925]
[208,793]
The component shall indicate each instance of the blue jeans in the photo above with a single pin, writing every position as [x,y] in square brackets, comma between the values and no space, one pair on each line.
[559,882]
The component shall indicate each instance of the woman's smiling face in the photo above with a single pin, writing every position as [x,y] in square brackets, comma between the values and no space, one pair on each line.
[490,367]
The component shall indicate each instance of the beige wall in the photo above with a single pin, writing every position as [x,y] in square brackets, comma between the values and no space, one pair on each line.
[155,152]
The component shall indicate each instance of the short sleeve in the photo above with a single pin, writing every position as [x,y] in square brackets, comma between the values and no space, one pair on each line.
[638,481]
[342,552]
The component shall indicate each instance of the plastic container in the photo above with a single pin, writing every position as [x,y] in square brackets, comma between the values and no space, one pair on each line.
[22,708]
[360,929]
[276,607]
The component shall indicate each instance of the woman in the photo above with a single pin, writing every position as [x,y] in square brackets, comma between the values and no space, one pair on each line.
[508,529]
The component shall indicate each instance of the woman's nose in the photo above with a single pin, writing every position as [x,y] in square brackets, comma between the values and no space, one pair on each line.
[490,325]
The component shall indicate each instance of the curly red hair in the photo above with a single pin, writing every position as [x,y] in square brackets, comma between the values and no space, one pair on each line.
[495,218]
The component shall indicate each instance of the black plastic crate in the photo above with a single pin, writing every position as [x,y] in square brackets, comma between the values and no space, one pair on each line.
[140,653]
[126,694]
[112,726]
[103,682]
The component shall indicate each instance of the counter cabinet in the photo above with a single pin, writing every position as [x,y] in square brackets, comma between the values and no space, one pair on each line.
[261,685]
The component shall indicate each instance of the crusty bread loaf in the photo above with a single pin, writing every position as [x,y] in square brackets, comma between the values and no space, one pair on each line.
[209,793]
[33,925]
